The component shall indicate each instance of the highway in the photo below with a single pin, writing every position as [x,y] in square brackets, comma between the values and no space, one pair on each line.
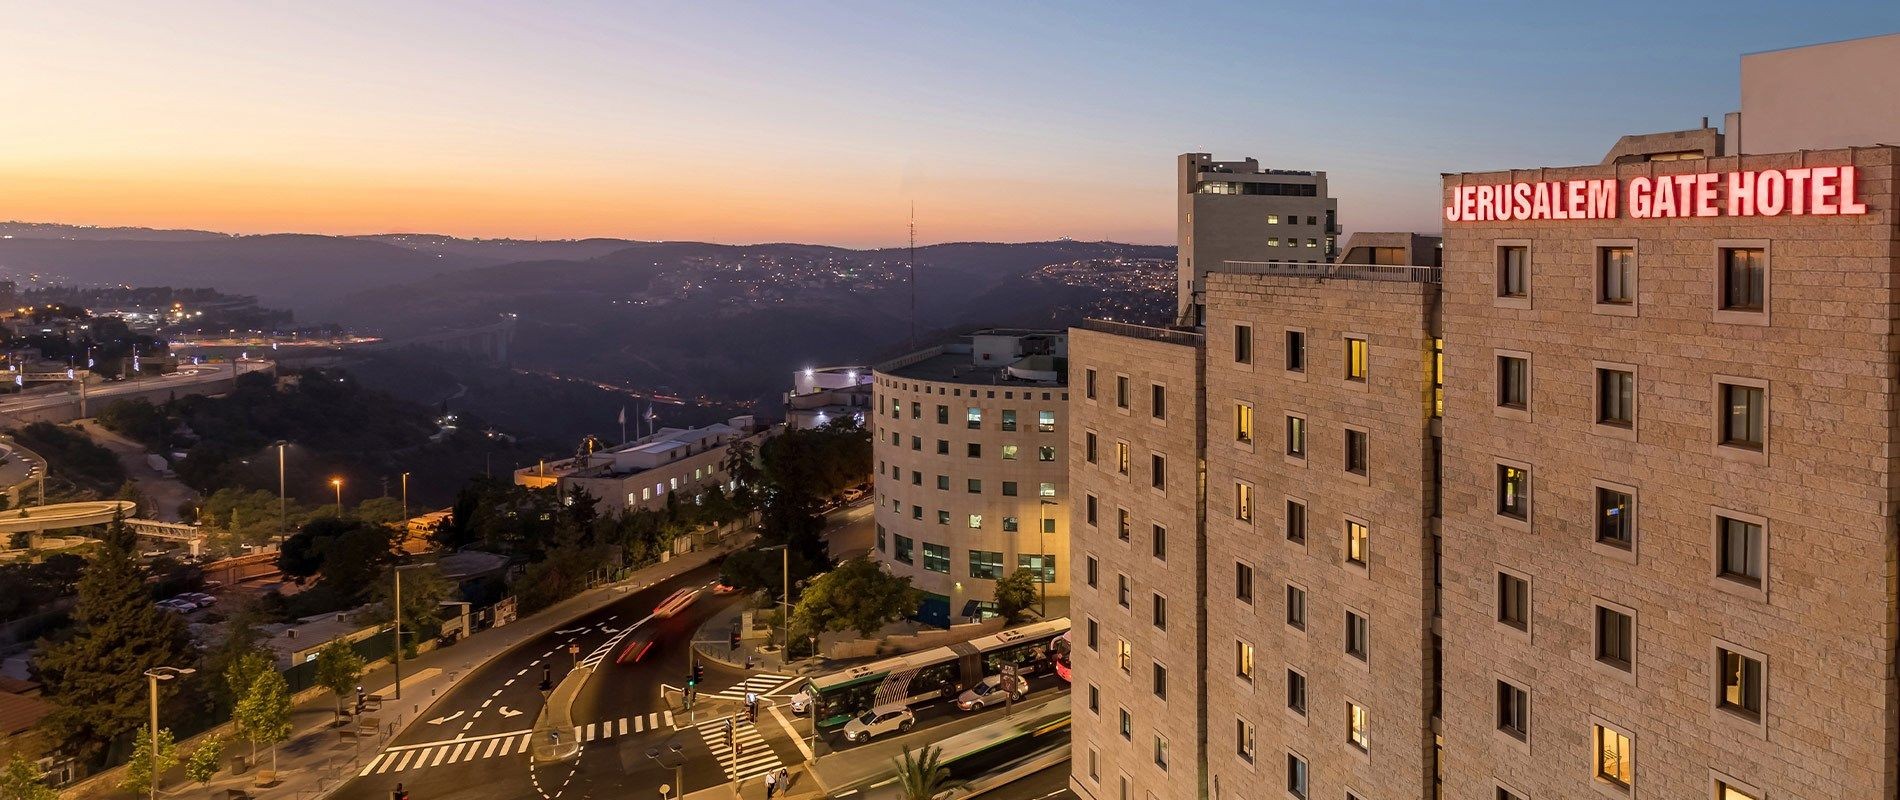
[186,377]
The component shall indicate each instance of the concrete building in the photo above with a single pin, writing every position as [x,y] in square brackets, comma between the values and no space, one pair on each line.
[972,480]
[1236,211]
[1602,507]
[643,473]
[822,394]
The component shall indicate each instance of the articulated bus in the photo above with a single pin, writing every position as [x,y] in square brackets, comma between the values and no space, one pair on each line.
[929,674]
[1059,655]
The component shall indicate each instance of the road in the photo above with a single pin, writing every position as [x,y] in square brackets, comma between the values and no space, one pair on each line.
[186,377]
[1048,784]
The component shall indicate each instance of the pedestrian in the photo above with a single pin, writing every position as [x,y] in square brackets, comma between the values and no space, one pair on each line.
[784,780]
[771,784]
[748,661]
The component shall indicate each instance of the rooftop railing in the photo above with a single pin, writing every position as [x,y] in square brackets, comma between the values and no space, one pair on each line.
[1133,331]
[1364,272]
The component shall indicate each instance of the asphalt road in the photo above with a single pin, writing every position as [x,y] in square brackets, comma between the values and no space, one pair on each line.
[186,376]
[1048,784]
[470,743]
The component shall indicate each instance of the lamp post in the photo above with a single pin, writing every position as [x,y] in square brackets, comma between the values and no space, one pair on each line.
[785,582]
[283,514]
[337,483]
[405,500]
[1042,557]
[152,677]
[396,612]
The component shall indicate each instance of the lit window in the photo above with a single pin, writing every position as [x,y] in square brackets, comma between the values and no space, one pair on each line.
[1243,502]
[1243,661]
[1358,543]
[1243,423]
[1358,365]
[1356,731]
[1741,688]
[1615,754]
[1513,488]
[1045,490]
[1009,452]
[1739,551]
[973,419]
[1744,278]
[1121,457]
[1728,791]
[937,558]
[986,564]
[1046,421]
[1009,524]
[1124,654]
[1124,530]
[976,520]
[1616,524]
[1243,739]
[1296,436]
[1744,411]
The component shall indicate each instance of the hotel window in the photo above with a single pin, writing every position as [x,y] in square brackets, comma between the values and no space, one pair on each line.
[1009,419]
[1728,791]
[1296,692]
[1046,453]
[1616,522]
[1243,661]
[1740,550]
[1088,506]
[1357,360]
[1616,397]
[1095,700]
[1744,411]
[1513,492]
[1357,457]
[1009,488]
[1514,271]
[973,450]
[1514,711]
[1128,732]
[1615,757]
[1158,471]
[1243,583]
[1125,655]
[1121,391]
[1243,344]
[1161,746]
[1046,422]
[1296,776]
[1295,436]
[1741,683]
[1744,278]
[973,486]
[1514,379]
[1356,727]
[1358,543]
[1295,351]
[1243,502]
[1616,275]
[1123,530]
[916,478]
[1088,446]
[943,447]
[1009,452]
[1295,607]
[986,564]
[916,512]
[1124,591]
[1045,490]
[943,517]
[903,551]
[916,410]
[1616,638]
[917,443]
[1358,636]
[1514,601]
[1121,457]
[1273,241]
[943,415]
[1088,384]
[1092,634]
[1311,242]
[976,520]
[1243,423]
[1159,611]
[1243,739]
[1159,539]
[937,558]
[943,482]
[1296,522]
[1273,219]
[1091,569]
[1158,401]
[1438,377]
[1010,525]
[1503,793]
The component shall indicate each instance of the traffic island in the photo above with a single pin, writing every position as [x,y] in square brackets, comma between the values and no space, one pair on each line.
[554,738]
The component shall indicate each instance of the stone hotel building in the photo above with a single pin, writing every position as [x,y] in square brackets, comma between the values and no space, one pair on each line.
[1595,499]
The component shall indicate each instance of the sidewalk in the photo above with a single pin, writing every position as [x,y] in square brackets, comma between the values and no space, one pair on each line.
[317,758]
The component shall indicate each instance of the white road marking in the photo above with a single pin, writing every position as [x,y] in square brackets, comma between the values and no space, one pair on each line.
[404,763]
[492,743]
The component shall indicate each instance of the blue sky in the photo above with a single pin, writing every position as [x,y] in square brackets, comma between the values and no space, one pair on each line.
[823,121]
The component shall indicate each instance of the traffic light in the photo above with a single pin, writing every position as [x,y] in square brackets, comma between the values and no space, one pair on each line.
[733,640]
[699,673]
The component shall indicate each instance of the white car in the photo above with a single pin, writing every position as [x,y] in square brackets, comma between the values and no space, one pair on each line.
[879,721]
[990,692]
[801,702]
[203,600]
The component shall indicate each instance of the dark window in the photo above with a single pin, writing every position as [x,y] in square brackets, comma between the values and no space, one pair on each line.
[1296,607]
[1295,522]
[1296,691]
[973,450]
[1009,419]
[1616,523]
[1616,275]
[1088,446]
[1092,567]
[1121,391]
[1514,710]
[1243,583]
[1616,638]
[1088,505]
[1160,612]
[1123,530]
[1357,457]
[1088,384]
[943,415]
[1358,636]
[1124,591]
[1243,344]
[1744,411]
[1744,278]
[1158,401]
[1514,601]
[1513,271]
[1739,551]
[1295,351]
[1616,397]
[1514,389]
[1161,681]
[1158,471]
[1296,776]
[1160,543]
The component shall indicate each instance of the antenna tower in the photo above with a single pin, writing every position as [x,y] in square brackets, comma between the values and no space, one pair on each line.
[911,262]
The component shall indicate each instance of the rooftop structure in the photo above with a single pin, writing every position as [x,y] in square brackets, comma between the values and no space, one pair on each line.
[1237,211]
[642,473]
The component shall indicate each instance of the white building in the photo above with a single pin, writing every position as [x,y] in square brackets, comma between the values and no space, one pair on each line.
[642,473]
[822,394]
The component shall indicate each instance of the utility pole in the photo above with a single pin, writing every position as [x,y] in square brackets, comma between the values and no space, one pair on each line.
[911,262]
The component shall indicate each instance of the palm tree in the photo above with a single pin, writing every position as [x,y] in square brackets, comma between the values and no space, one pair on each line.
[923,777]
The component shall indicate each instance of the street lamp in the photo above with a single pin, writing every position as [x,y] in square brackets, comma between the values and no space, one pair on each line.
[283,515]
[396,612]
[785,582]
[152,677]
[679,762]
[1042,556]
[337,483]
[405,499]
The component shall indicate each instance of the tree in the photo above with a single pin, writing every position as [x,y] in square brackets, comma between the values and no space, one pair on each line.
[96,677]
[139,772]
[264,713]
[923,777]
[423,591]
[238,657]
[383,510]
[347,553]
[22,781]
[857,596]
[202,765]
[1015,593]
[338,668]
[136,419]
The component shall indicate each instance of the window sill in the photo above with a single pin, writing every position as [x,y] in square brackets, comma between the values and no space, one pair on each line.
[1742,455]
[1295,375]
[1730,317]
[1511,412]
[1360,478]
[1755,724]
[1298,461]
[1512,301]
[1615,430]
[1614,551]
[1514,740]
[1614,309]
[1522,525]
[1757,592]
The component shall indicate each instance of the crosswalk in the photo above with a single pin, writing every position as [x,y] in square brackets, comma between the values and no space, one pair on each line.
[760,684]
[515,743]
[755,757]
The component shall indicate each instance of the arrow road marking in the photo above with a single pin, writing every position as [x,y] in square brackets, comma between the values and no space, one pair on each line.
[509,712]
[440,720]
[571,630]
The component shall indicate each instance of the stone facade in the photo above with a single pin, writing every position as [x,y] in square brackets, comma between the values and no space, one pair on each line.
[1820,621]
[1160,557]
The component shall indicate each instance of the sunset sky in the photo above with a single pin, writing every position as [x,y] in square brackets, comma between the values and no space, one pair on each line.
[811,122]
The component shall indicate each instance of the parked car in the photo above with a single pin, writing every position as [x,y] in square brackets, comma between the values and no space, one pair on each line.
[200,598]
[990,692]
[879,721]
[854,494]
[180,606]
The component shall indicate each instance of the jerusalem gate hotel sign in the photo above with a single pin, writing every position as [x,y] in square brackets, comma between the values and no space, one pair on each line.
[1806,191]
